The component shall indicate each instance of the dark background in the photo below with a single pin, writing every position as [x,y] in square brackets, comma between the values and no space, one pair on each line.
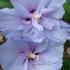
[66,63]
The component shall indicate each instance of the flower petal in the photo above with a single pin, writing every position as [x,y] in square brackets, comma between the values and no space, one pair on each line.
[21,63]
[36,25]
[28,4]
[42,4]
[47,24]
[50,23]
[11,12]
[42,46]
[34,35]
[19,6]
[58,14]
[54,51]
[9,22]
[51,58]
[8,53]
[66,27]
[59,35]
[46,11]
[54,66]
[58,4]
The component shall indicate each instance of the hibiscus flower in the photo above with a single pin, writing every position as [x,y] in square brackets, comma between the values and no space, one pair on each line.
[18,55]
[29,18]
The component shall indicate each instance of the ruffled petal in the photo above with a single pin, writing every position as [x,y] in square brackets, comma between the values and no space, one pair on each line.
[21,63]
[51,59]
[53,12]
[19,6]
[41,47]
[50,23]
[59,35]
[47,11]
[58,13]
[11,12]
[46,66]
[9,22]
[28,4]
[58,6]
[37,25]
[42,4]
[34,35]
[37,36]
[47,24]
[8,53]
[56,3]
[54,51]
[66,27]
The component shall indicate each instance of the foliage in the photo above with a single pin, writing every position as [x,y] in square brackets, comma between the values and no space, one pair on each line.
[67,12]
[5,3]
[66,65]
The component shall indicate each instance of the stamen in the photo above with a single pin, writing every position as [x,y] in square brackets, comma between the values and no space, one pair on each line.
[31,56]
[2,38]
[37,17]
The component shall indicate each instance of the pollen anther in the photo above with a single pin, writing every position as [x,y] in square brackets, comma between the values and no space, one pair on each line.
[37,17]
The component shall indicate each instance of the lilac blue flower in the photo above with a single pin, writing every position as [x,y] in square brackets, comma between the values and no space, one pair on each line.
[31,19]
[15,56]
[35,35]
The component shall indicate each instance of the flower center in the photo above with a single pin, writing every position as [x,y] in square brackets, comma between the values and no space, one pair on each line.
[37,16]
[2,38]
[33,56]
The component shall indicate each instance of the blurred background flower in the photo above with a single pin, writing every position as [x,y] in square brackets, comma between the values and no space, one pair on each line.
[66,66]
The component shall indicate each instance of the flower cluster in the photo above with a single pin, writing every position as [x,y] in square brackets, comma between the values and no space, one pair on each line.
[32,35]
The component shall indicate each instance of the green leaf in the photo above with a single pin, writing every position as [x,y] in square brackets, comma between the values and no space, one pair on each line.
[5,3]
[67,12]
